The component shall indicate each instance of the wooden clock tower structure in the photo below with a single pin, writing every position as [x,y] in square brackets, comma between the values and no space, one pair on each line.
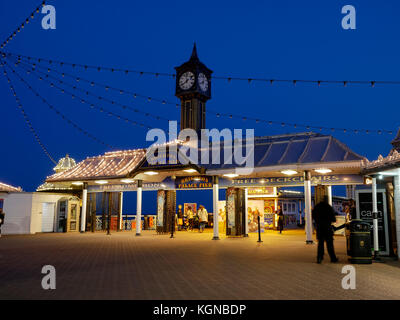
[193,87]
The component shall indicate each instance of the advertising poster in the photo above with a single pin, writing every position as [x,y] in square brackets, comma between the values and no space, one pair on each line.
[269,214]
[221,207]
[192,206]
[365,211]
[255,208]
[231,210]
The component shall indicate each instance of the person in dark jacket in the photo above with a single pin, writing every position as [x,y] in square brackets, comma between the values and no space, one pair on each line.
[2,215]
[280,219]
[324,215]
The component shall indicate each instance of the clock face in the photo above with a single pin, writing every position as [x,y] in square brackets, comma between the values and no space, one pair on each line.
[186,81]
[203,82]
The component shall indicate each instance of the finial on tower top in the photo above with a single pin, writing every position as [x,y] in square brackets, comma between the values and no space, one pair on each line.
[194,53]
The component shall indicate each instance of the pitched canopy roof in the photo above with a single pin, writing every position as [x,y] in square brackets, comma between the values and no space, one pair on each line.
[116,164]
[7,188]
[300,149]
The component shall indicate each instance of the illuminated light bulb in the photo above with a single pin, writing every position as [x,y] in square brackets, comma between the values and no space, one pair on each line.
[323,170]
[289,172]
[231,175]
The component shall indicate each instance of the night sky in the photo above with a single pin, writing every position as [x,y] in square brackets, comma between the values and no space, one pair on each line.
[271,39]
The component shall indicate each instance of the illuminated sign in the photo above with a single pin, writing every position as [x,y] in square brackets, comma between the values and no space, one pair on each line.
[261,191]
[201,182]
[205,182]
[325,179]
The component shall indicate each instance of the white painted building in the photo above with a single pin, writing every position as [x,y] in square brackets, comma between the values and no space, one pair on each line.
[33,212]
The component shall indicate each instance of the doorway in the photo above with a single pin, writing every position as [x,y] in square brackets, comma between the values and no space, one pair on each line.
[48,212]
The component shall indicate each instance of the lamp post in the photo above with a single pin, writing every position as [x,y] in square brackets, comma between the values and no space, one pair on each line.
[375,219]
[259,229]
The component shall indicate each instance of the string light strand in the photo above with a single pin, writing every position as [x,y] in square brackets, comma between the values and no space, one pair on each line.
[249,80]
[21,26]
[26,118]
[87,92]
[58,112]
[233,116]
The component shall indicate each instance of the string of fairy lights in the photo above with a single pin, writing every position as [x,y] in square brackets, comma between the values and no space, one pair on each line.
[85,101]
[57,111]
[95,83]
[107,87]
[249,79]
[44,77]
[21,26]
[26,118]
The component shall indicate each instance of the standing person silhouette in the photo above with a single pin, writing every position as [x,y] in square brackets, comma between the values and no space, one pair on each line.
[324,215]
[2,215]
[280,219]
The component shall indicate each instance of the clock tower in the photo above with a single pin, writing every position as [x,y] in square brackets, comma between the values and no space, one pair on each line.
[193,87]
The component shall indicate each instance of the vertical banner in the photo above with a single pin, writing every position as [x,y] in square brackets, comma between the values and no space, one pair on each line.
[255,209]
[230,207]
[160,207]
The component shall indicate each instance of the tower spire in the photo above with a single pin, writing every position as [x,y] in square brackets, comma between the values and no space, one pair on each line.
[396,141]
[194,53]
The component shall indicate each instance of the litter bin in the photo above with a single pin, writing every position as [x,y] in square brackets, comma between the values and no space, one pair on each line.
[358,241]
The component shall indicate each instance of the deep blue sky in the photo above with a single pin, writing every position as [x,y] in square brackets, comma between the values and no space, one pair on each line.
[279,39]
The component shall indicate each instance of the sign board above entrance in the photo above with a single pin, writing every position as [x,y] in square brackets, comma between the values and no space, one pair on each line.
[293,181]
[205,182]
[262,191]
[201,182]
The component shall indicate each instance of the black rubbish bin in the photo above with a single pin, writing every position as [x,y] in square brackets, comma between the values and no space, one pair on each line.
[358,241]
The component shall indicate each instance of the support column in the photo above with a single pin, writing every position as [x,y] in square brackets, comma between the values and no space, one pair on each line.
[276,210]
[246,215]
[139,207]
[329,194]
[307,209]
[300,213]
[375,216]
[121,202]
[396,183]
[215,209]
[84,206]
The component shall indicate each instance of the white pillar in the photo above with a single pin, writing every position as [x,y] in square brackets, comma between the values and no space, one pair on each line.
[300,213]
[121,202]
[139,207]
[397,209]
[375,213]
[246,215]
[215,209]
[307,209]
[84,205]
[276,210]
[329,191]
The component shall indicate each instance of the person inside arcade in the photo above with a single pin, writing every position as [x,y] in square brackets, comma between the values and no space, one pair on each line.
[189,216]
[203,218]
